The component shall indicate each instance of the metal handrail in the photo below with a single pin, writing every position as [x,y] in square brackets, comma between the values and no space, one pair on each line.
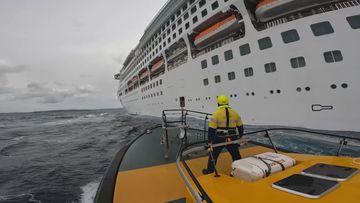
[205,117]
[202,195]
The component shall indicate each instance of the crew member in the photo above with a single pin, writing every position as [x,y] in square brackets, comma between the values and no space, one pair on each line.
[222,128]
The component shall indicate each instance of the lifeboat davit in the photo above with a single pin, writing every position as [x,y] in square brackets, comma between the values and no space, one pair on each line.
[216,31]
[157,65]
[267,10]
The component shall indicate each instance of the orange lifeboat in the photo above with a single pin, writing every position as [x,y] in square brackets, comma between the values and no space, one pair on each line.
[267,10]
[157,65]
[143,73]
[133,81]
[135,78]
[218,30]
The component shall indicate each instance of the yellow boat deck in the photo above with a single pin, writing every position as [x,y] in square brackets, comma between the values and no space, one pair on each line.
[229,189]
[164,184]
[144,175]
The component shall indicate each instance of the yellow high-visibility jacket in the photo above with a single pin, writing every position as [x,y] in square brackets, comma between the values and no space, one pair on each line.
[219,121]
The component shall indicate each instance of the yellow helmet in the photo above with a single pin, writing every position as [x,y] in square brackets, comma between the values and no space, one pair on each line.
[222,100]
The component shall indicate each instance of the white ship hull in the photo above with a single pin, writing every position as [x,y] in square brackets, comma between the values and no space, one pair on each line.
[321,107]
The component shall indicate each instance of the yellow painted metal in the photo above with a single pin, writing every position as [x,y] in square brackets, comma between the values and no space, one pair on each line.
[228,189]
[163,183]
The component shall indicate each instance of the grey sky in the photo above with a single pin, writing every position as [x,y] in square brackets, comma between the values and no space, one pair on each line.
[62,54]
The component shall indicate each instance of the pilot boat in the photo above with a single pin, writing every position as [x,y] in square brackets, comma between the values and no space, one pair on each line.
[164,164]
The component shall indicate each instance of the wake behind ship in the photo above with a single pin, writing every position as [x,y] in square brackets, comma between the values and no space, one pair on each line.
[281,62]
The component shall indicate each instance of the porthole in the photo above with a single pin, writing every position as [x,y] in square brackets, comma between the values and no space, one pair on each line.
[278,91]
[231,95]
[235,95]
[298,89]
[333,86]
[247,94]
[253,93]
[307,88]
[344,85]
[271,91]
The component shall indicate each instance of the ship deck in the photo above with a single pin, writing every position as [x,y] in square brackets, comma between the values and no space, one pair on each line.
[144,174]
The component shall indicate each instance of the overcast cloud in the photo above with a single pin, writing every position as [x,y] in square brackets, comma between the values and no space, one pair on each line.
[63,54]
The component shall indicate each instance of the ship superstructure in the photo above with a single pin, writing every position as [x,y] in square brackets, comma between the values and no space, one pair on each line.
[275,59]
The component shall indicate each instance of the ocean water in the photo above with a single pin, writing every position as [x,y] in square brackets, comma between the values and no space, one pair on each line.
[61,156]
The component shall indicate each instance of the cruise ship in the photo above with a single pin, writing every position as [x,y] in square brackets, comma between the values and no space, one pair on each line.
[281,62]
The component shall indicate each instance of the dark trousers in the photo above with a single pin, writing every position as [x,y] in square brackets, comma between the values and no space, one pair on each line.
[233,149]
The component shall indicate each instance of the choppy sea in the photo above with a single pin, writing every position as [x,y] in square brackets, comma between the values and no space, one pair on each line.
[61,156]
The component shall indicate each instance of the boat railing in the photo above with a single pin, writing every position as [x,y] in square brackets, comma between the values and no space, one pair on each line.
[179,119]
[200,194]
[342,140]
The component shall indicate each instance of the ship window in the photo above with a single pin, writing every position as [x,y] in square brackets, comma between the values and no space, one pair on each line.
[161,93]
[186,15]
[191,2]
[184,7]
[193,10]
[265,43]
[195,19]
[270,67]
[217,78]
[215,59]
[168,31]
[203,64]
[333,56]
[244,49]
[215,5]
[172,18]
[298,62]
[202,3]
[160,82]
[290,36]
[169,40]
[322,28]
[206,82]
[231,76]
[179,21]
[204,13]
[173,27]
[174,35]
[354,21]
[228,55]
[180,31]
[178,13]
[157,83]
[187,25]
[164,35]
[164,44]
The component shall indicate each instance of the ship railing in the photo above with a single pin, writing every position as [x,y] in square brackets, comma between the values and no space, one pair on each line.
[198,191]
[299,15]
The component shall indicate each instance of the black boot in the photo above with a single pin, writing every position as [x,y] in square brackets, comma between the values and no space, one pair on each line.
[206,171]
